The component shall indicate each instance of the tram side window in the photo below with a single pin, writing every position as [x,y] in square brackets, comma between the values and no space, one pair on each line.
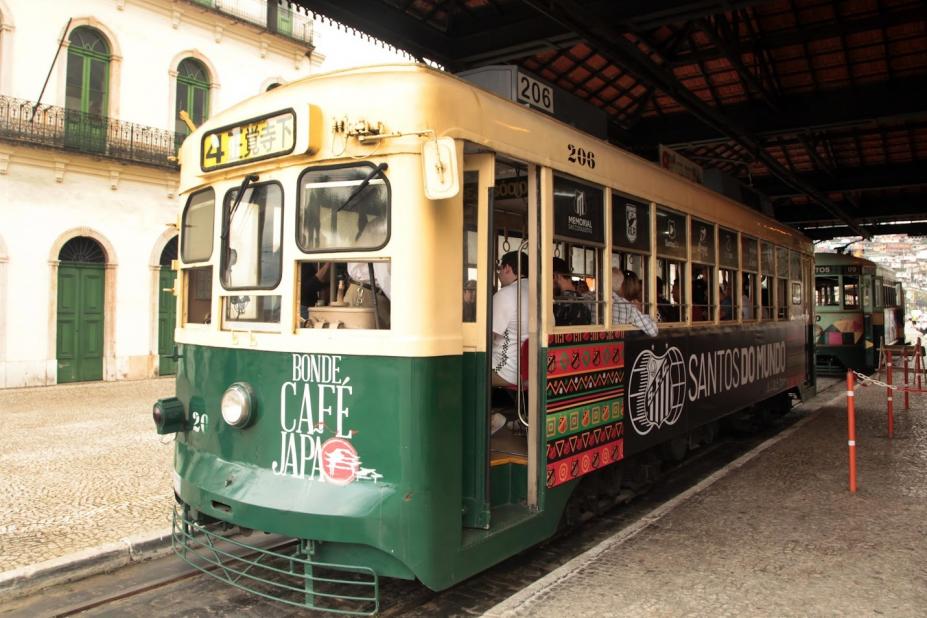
[199,294]
[671,252]
[850,292]
[196,244]
[727,283]
[631,241]
[749,281]
[748,296]
[251,249]
[782,299]
[331,295]
[703,284]
[827,291]
[637,264]
[579,238]
[767,264]
[197,227]
[726,291]
[702,293]
[671,290]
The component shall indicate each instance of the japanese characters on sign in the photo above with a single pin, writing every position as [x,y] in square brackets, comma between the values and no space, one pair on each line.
[256,139]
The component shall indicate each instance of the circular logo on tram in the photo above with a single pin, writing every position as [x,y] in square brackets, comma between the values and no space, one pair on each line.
[656,390]
[339,461]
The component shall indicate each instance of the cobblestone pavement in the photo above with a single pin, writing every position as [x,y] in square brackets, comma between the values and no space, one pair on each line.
[780,536]
[80,466]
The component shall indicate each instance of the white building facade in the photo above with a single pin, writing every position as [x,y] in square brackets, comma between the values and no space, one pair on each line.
[88,203]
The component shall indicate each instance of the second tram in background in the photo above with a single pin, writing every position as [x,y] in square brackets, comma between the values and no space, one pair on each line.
[859,305]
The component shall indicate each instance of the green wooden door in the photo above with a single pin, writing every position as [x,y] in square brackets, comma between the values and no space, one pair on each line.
[167,321]
[86,91]
[80,322]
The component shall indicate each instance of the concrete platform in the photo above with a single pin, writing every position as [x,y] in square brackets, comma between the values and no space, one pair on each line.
[775,533]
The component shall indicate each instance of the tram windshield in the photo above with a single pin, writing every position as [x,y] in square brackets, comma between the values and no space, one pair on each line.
[251,253]
[345,207]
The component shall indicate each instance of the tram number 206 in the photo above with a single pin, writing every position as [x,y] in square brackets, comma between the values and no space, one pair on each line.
[535,93]
[581,156]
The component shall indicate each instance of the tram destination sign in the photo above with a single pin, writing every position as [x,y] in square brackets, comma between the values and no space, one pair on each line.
[255,139]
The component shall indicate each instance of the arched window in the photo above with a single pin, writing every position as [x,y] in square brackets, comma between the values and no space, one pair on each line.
[82,249]
[86,90]
[192,95]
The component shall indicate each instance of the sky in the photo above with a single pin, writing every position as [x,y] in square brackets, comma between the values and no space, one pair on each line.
[344,49]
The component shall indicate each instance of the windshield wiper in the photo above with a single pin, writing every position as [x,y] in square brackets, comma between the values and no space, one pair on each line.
[226,228]
[363,185]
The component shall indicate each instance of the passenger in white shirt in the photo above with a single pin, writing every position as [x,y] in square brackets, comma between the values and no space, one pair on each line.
[507,333]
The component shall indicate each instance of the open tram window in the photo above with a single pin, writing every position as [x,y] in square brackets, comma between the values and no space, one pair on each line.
[252,239]
[332,295]
[749,256]
[671,252]
[703,266]
[850,292]
[827,291]
[579,239]
[637,264]
[198,288]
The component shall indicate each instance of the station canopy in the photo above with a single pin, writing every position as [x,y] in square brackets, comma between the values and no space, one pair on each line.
[815,111]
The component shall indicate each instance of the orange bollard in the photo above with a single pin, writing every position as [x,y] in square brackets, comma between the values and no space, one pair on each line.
[906,380]
[888,390]
[851,428]
[917,364]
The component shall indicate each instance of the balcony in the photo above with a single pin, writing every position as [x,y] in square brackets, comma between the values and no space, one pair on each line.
[56,127]
[274,16]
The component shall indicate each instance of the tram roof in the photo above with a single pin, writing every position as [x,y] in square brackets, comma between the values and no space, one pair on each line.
[410,94]
[844,259]
[818,107]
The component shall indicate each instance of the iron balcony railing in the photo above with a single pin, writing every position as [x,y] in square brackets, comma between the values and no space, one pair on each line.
[57,127]
[276,16]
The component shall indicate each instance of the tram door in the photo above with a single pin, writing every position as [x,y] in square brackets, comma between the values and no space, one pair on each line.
[496,472]
[479,174]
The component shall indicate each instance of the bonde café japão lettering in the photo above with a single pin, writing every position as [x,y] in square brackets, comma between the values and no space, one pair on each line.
[316,398]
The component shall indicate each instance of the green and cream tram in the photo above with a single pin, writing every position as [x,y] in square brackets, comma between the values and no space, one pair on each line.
[858,306]
[358,422]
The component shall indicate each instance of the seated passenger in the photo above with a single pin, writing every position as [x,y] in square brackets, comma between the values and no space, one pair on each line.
[313,278]
[508,330]
[469,301]
[569,308]
[625,311]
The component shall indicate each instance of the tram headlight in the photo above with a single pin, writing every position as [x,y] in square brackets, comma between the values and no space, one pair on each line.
[238,405]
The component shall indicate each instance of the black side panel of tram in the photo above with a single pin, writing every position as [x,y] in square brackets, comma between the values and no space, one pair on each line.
[682,379]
